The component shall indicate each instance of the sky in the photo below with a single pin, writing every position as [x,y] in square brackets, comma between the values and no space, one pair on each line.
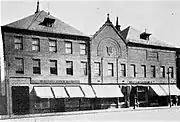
[160,18]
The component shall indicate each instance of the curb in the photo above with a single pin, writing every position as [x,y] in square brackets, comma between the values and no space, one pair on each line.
[3,117]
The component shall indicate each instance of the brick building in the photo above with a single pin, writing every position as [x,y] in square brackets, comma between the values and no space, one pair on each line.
[45,63]
[53,67]
[137,62]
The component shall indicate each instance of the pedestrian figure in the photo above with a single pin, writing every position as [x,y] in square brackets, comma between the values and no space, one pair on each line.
[172,102]
[176,100]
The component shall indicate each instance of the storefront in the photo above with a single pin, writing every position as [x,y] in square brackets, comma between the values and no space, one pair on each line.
[107,96]
[45,99]
[139,95]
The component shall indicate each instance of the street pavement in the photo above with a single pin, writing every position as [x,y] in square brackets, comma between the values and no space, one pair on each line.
[163,114]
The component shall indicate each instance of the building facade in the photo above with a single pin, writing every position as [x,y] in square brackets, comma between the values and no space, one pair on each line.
[43,54]
[53,67]
[143,67]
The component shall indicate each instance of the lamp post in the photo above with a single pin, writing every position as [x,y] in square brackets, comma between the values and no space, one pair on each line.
[169,88]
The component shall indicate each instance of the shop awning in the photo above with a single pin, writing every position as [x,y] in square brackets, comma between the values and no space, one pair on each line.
[74,91]
[43,92]
[107,91]
[159,91]
[59,92]
[88,91]
[173,89]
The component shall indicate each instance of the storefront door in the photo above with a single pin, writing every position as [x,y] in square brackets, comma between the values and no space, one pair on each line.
[20,99]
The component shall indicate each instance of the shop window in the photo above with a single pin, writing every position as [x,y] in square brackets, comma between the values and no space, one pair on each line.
[42,103]
[18,43]
[143,67]
[97,68]
[68,47]
[53,67]
[171,72]
[52,46]
[110,69]
[133,70]
[153,71]
[83,49]
[69,67]
[162,71]
[35,44]
[36,66]
[19,65]
[84,67]
[123,70]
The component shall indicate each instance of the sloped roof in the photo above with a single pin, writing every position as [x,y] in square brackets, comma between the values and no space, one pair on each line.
[32,22]
[133,35]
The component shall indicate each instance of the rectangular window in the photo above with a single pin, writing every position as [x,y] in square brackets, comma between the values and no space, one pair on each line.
[52,46]
[97,68]
[69,67]
[143,67]
[53,67]
[36,66]
[84,67]
[110,69]
[171,72]
[162,71]
[68,47]
[18,43]
[19,65]
[83,49]
[153,71]
[133,70]
[35,44]
[123,70]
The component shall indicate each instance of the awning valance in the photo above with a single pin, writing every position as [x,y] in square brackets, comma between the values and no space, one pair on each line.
[74,91]
[43,92]
[59,92]
[107,91]
[159,91]
[173,89]
[88,91]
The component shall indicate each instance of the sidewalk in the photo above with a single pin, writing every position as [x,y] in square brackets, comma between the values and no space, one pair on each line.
[86,112]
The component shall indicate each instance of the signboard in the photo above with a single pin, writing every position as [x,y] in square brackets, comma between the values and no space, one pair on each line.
[55,82]
[151,55]
[144,82]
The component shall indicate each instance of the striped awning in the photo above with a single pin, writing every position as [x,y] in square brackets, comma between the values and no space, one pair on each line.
[59,92]
[173,89]
[88,91]
[43,92]
[74,91]
[158,90]
[107,91]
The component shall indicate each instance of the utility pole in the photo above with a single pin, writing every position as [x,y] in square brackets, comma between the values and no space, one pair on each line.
[169,88]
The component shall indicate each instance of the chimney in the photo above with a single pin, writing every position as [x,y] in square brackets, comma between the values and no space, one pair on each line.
[37,9]
[117,25]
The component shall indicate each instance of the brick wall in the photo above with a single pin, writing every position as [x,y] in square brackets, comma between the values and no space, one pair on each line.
[44,55]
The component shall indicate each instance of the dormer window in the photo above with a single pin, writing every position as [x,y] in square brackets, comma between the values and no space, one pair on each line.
[48,22]
[145,35]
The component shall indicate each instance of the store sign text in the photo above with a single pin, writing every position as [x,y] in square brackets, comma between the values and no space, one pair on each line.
[55,81]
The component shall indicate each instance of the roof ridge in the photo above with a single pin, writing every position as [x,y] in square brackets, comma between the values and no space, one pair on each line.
[34,19]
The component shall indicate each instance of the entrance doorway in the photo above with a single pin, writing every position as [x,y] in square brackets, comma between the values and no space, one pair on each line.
[20,99]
